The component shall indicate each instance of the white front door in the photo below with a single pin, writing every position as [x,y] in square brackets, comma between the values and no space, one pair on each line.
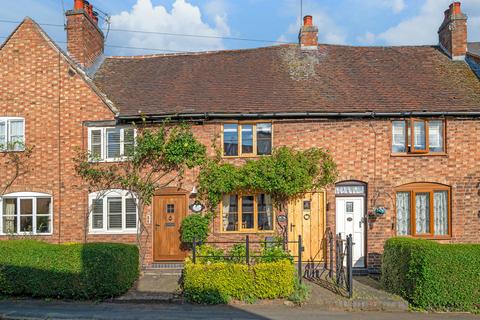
[350,220]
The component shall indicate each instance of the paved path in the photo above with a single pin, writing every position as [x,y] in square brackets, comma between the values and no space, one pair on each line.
[38,309]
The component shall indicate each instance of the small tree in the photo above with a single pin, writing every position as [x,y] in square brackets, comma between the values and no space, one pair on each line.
[15,162]
[159,157]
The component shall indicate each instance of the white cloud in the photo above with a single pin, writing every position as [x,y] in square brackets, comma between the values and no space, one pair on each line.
[184,18]
[396,5]
[367,39]
[422,28]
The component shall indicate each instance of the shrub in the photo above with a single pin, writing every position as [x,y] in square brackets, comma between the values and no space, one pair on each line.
[432,275]
[218,282]
[274,251]
[195,225]
[74,271]
[300,294]
[206,254]
[238,253]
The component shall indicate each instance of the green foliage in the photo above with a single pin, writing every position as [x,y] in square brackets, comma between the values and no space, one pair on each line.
[238,253]
[219,282]
[272,252]
[209,254]
[284,175]
[301,293]
[195,226]
[73,271]
[159,152]
[431,275]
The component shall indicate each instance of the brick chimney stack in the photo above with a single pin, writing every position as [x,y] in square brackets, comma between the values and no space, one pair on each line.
[308,36]
[453,32]
[85,40]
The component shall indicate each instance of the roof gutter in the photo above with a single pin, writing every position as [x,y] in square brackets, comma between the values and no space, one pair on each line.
[295,115]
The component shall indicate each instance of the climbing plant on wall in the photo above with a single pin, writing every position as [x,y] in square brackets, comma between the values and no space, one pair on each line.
[284,175]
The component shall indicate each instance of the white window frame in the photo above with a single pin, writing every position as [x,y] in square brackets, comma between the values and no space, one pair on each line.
[103,132]
[7,133]
[104,195]
[27,196]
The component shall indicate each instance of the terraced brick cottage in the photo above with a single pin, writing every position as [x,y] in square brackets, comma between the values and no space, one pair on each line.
[401,122]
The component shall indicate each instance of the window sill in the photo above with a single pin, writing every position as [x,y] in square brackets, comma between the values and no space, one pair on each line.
[110,160]
[12,151]
[23,234]
[428,237]
[247,156]
[247,232]
[438,154]
[103,232]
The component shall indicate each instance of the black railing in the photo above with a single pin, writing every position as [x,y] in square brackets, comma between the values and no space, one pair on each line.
[341,252]
[249,258]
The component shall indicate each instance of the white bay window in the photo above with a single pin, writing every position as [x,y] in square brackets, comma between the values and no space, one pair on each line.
[113,211]
[26,213]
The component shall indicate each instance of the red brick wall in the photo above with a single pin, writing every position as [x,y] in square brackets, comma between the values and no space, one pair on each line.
[85,39]
[38,84]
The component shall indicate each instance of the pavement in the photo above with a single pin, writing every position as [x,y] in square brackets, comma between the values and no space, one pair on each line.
[56,310]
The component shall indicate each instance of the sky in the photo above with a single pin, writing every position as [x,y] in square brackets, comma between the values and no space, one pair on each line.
[348,22]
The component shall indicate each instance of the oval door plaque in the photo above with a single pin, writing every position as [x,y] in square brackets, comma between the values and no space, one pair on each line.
[349,219]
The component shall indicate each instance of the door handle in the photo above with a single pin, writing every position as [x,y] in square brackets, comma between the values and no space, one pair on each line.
[291,227]
[157,225]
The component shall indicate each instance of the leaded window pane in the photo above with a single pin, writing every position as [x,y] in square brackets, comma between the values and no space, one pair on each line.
[247,212]
[247,138]
[398,136]
[264,138]
[422,212]
[435,135]
[230,139]
[230,213]
[265,212]
[440,212]
[113,143]
[403,213]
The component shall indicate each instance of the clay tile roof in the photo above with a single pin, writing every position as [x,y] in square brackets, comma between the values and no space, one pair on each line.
[286,79]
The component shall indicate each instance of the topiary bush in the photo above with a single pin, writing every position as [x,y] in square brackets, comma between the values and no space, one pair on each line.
[73,271]
[431,275]
[219,282]
[195,226]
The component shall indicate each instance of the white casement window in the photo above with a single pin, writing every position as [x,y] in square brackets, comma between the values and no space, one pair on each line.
[111,144]
[113,211]
[12,134]
[25,213]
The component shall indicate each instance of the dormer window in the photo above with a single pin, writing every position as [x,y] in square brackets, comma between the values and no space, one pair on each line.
[418,136]
[12,134]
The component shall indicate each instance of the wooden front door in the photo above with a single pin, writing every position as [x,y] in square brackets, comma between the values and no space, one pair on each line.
[306,217]
[168,212]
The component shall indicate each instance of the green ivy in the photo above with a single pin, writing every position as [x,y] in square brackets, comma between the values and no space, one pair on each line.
[284,175]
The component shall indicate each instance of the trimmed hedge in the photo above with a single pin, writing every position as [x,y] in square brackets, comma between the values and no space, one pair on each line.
[218,282]
[431,275]
[73,271]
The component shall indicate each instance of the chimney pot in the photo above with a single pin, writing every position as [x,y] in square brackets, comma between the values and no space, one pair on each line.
[78,5]
[308,20]
[455,8]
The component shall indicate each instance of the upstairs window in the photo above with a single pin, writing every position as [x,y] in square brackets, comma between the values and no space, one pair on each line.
[418,136]
[12,134]
[423,210]
[111,144]
[113,211]
[247,139]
